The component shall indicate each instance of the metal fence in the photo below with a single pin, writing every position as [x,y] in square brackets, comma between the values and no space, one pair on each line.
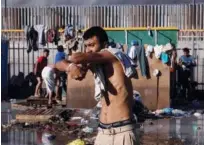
[20,61]
[183,16]
[18,58]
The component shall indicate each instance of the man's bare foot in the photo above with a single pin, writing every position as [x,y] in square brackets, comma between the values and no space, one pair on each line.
[37,96]
[47,95]
[49,106]
[58,101]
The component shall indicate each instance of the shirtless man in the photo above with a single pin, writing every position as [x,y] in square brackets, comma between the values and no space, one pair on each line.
[116,125]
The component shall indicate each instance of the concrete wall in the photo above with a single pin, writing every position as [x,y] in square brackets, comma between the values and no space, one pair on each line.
[155,92]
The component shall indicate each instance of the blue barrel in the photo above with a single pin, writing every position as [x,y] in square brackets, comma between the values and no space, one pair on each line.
[4,66]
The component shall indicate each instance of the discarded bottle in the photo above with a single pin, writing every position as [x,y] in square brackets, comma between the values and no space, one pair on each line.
[197,114]
[48,139]
[13,101]
[167,111]
[87,130]
[84,122]
[177,112]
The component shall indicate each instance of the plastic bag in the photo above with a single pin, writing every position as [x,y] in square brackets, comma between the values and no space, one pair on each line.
[77,142]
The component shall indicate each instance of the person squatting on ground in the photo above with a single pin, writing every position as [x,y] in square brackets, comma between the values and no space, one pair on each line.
[40,64]
[112,71]
[49,78]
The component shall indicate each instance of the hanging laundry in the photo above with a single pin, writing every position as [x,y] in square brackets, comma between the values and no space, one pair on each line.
[149,50]
[80,40]
[158,51]
[164,57]
[31,38]
[69,30]
[167,47]
[50,35]
[41,34]
[56,36]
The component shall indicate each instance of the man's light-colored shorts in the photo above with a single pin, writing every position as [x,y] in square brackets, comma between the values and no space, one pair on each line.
[125,135]
[48,77]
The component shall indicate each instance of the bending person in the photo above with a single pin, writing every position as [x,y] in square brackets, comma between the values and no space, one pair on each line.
[49,79]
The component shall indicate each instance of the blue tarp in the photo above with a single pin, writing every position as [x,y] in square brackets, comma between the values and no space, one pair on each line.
[4,64]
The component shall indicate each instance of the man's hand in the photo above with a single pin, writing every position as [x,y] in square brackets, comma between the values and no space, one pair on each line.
[77,72]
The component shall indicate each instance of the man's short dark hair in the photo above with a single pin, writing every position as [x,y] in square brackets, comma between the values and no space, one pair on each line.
[97,31]
[60,48]
[46,50]
[186,50]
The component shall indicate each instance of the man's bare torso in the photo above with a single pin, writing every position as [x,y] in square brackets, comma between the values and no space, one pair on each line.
[119,94]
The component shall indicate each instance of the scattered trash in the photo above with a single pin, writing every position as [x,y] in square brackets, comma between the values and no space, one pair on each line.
[77,142]
[13,121]
[48,139]
[177,112]
[158,112]
[87,130]
[75,118]
[84,122]
[197,114]
[170,112]
[27,124]
[167,111]
[96,111]
[13,101]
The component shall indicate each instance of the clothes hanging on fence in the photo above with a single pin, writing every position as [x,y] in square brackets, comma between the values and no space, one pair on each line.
[56,36]
[50,35]
[41,29]
[141,57]
[69,30]
[71,45]
[32,38]
[164,57]
[80,43]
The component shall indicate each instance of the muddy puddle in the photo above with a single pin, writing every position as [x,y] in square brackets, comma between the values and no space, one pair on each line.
[175,131]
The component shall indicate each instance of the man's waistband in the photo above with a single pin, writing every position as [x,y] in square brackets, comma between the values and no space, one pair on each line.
[117,124]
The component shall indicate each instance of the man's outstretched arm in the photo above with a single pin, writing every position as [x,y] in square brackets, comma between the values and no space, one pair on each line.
[63,65]
[95,57]
[74,71]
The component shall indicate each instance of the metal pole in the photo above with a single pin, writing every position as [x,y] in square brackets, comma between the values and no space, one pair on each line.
[126,37]
[5,2]
[5,11]
[194,14]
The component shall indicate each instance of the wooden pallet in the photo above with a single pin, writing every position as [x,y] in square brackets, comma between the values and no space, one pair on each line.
[38,115]
[34,101]
[37,101]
